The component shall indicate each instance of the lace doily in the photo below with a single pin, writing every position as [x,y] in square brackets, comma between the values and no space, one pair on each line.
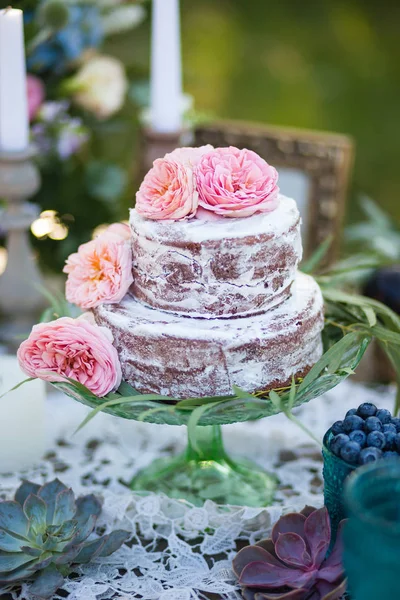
[178,551]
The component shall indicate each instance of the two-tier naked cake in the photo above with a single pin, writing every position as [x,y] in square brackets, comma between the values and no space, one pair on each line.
[216,298]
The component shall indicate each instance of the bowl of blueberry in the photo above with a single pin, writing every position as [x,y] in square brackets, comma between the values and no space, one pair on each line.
[366,434]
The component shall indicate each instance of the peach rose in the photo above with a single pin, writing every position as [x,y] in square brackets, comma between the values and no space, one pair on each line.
[72,348]
[168,191]
[236,183]
[101,271]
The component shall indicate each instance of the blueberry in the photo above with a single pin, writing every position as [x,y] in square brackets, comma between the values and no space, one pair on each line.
[358,436]
[373,424]
[337,442]
[390,454]
[352,423]
[366,410]
[389,427]
[369,455]
[390,437]
[350,452]
[352,411]
[384,415]
[376,439]
[397,442]
[396,422]
[337,427]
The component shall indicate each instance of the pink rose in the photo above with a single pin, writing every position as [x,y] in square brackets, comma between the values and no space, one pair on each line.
[100,272]
[236,183]
[36,94]
[121,229]
[72,348]
[168,191]
[189,156]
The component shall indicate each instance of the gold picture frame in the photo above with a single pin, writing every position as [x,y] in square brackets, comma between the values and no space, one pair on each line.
[325,158]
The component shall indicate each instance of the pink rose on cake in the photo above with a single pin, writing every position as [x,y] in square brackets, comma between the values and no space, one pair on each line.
[168,191]
[101,271]
[236,183]
[73,348]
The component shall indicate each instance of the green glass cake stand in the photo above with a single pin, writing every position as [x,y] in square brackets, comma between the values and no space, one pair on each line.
[205,471]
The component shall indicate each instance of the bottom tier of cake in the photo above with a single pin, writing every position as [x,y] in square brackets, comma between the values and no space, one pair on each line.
[185,357]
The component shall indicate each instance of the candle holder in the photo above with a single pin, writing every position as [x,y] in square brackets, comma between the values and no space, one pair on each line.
[156,145]
[20,297]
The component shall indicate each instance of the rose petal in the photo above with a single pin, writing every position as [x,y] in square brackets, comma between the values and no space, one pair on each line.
[73,348]
[292,550]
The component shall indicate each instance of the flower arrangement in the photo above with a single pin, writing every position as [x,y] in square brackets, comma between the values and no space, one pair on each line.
[293,564]
[225,181]
[76,90]
[45,531]
[75,349]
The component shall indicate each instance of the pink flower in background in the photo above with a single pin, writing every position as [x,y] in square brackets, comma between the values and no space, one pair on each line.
[72,348]
[168,191]
[100,272]
[121,229]
[36,94]
[236,183]
[189,156]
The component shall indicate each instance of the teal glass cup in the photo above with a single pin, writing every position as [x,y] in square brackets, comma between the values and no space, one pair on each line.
[335,473]
[371,535]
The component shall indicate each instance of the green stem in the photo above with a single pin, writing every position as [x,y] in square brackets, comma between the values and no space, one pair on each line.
[396,409]
[301,425]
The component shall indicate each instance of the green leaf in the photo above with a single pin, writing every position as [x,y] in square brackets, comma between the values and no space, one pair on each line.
[370,314]
[118,402]
[113,541]
[12,518]
[331,358]
[47,583]
[12,560]
[241,393]
[17,386]
[292,394]
[317,257]
[25,489]
[49,493]
[125,389]
[35,510]
[275,399]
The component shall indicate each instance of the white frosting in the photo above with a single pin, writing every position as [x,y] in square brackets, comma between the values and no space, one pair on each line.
[215,266]
[183,357]
[204,228]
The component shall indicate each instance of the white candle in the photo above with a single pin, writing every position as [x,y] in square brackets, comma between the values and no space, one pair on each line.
[22,426]
[166,69]
[14,124]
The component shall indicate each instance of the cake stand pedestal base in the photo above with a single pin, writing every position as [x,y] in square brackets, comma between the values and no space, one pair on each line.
[205,472]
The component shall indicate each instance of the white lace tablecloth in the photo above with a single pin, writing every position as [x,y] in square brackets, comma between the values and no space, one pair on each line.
[180,552]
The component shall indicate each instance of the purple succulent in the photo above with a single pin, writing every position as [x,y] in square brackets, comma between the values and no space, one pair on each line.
[293,564]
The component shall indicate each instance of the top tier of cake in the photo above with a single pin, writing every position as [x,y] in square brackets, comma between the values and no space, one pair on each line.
[213,266]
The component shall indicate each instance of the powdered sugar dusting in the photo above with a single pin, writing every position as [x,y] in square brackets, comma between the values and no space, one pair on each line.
[205,228]
[216,267]
[183,357]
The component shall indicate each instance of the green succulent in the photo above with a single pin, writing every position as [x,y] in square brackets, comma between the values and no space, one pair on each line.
[44,531]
